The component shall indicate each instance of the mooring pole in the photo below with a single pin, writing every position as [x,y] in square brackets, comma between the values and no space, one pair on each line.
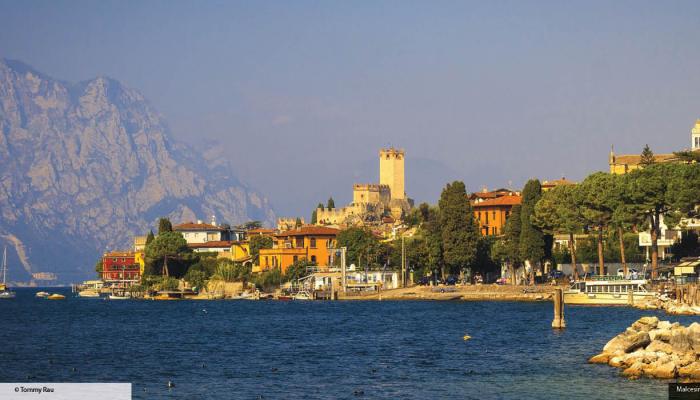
[558,322]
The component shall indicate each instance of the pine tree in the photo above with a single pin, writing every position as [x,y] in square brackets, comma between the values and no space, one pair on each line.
[459,231]
[531,237]
[331,204]
[164,225]
[647,157]
[320,205]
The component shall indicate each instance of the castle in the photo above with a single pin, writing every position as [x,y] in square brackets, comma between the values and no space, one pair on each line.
[624,163]
[373,202]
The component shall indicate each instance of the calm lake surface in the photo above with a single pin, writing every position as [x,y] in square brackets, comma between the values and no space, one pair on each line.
[318,350]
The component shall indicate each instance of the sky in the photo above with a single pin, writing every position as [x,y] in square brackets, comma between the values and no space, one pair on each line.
[301,95]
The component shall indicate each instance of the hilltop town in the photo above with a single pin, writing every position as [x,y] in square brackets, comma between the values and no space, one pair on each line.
[548,231]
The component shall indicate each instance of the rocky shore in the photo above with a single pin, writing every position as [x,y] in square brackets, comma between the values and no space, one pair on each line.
[671,307]
[655,349]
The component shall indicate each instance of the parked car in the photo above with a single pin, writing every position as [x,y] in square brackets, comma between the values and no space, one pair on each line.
[451,280]
[424,281]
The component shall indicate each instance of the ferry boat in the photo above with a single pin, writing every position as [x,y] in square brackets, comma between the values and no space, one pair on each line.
[607,290]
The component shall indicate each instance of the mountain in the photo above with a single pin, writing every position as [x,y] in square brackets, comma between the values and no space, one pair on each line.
[85,167]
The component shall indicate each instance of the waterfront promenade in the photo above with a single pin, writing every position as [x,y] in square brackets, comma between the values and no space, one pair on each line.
[461,292]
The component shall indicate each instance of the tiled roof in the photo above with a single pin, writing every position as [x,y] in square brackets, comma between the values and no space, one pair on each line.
[261,231]
[120,254]
[213,244]
[499,201]
[310,230]
[558,182]
[190,226]
[633,159]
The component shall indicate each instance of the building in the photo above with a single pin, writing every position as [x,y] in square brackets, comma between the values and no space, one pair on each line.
[311,243]
[286,223]
[140,243]
[200,232]
[549,185]
[121,268]
[370,201]
[492,214]
[624,163]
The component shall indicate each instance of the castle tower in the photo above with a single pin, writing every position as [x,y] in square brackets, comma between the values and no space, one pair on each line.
[391,171]
[695,136]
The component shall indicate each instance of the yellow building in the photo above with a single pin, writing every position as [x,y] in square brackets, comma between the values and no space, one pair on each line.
[311,243]
[140,259]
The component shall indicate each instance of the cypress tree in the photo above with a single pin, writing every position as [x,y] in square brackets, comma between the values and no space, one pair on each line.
[164,225]
[331,204]
[647,157]
[149,237]
[458,229]
[531,237]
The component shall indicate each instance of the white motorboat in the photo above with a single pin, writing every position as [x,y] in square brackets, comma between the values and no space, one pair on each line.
[607,290]
[42,294]
[88,293]
[303,295]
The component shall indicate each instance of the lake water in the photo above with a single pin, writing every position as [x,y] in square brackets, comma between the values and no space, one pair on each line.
[318,350]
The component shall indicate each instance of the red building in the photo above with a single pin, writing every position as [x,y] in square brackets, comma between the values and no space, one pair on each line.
[120,266]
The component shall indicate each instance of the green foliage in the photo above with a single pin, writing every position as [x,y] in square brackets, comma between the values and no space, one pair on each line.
[314,217]
[267,280]
[559,211]
[508,248]
[197,278]
[320,205]
[688,246]
[164,225]
[430,231]
[458,229]
[250,225]
[486,255]
[170,244]
[297,270]
[647,157]
[150,237]
[168,283]
[531,237]
[258,242]
[297,223]
[229,271]
[362,246]
[331,203]
[98,267]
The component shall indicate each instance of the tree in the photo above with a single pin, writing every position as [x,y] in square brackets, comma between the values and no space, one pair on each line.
[647,157]
[297,223]
[559,211]
[531,237]
[297,270]
[314,217]
[331,204]
[665,192]
[361,245]
[99,268]
[164,225]
[258,242]
[430,230]
[251,225]
[150,237]
[458,230]
[508,248]
[196,278]
[166,244]
[597,196]
[624,216]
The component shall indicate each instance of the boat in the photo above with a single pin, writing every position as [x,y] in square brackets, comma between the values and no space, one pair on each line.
[303,295]
[118,297]
[56,296]
[607,290]
[88,293]
[42,294]
[283,297]
[5,293]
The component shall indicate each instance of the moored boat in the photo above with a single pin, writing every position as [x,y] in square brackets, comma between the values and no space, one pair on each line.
[56,296]
[607,290]
[89,293]
[303,295]
[5,293]
[42,294]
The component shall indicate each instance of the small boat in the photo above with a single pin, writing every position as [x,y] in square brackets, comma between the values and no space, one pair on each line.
[285,298]
[117,297]
[89,293]
[5,293]
[56,296]
[303,295]
[42,294]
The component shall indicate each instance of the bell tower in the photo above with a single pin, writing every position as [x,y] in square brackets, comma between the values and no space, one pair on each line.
[391,171]
[695,136]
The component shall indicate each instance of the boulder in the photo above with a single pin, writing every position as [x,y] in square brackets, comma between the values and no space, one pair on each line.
[691,370]
[645,324]
[616,362]
[601,358]
[659,346]
[635,370]
[661,370]
[680,341]
[627,342]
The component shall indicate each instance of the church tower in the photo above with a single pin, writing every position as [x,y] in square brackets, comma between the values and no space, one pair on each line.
[695,136]
[391,171]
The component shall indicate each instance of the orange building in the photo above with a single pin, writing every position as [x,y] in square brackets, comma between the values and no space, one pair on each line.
[312,243]
[491,214]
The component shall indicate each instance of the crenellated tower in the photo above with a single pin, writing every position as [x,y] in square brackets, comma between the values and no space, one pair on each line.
[391,171]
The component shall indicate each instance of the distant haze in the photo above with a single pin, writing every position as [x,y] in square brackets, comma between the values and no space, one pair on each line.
[301,95]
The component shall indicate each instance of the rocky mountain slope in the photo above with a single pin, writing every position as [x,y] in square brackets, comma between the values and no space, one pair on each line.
[84,167]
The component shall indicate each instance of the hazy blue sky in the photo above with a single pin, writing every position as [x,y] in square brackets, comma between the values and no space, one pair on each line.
[301,95]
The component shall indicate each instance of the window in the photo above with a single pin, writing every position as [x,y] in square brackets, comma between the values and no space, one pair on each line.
[487,217]
[299,242]
[493,215]
[266,261]
[313,259]
[312,243]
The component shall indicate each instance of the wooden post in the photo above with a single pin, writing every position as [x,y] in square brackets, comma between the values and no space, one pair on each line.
[630,297]
[558,322]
